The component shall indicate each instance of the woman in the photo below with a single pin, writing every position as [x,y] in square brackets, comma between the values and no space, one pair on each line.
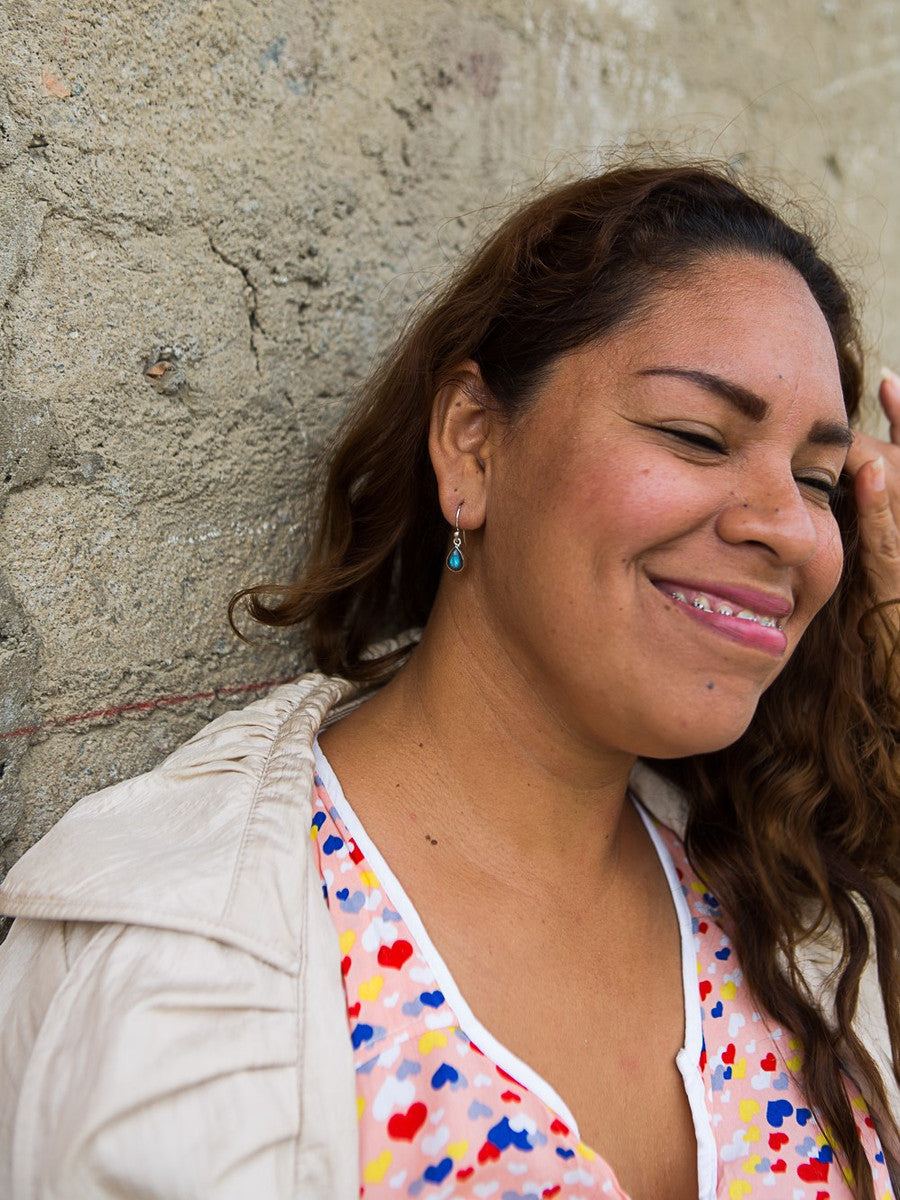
[610,470]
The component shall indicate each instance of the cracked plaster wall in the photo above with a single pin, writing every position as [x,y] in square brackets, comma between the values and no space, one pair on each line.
[213,214]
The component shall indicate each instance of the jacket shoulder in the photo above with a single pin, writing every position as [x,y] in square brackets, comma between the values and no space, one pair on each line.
[206,842]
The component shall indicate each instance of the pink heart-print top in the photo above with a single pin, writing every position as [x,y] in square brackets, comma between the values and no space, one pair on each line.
[446,1111]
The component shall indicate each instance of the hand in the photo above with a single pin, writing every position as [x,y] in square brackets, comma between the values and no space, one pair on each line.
[875,468]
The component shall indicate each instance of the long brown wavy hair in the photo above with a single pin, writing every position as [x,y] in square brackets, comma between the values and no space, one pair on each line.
[795,826]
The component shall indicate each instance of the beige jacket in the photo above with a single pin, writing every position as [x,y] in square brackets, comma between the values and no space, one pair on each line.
[172,1017]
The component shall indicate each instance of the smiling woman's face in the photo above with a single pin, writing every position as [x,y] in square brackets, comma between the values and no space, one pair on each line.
[658,532]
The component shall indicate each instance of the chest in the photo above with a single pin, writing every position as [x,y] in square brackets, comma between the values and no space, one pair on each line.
[592,1000]
[579,1054]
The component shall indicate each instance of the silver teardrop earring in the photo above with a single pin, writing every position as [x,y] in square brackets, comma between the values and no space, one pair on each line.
[455,559]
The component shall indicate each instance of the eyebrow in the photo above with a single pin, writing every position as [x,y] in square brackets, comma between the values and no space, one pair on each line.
[754,407]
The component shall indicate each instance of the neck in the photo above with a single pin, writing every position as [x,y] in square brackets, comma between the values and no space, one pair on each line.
[490,763]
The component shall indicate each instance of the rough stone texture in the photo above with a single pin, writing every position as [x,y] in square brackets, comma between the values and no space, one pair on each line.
[214,214]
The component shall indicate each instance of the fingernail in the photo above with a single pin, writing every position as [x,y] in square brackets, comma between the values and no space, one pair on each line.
[878,474]
[887,373]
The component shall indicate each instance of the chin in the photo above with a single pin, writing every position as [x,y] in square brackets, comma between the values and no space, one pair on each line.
[694,737]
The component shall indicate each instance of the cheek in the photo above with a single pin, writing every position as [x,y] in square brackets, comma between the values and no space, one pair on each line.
[824,569]
[647,499]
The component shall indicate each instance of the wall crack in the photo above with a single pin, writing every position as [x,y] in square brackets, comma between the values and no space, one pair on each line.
[252,297]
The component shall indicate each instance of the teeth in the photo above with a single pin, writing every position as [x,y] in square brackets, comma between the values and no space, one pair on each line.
[725,610]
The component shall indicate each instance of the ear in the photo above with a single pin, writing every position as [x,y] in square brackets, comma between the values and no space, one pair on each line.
[461,442]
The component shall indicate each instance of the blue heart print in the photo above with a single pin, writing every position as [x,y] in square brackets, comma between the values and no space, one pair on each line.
[360,1035]
[444,1074]
[439,1171]
[503,1135]
[355,903]
[776,1111]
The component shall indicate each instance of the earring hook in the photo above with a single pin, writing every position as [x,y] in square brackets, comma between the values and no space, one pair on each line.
[456,559]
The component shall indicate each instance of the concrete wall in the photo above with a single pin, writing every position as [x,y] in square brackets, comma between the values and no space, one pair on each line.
[212,216]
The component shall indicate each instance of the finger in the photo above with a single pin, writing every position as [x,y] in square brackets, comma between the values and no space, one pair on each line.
[889,395]
[865,448]
[878,529]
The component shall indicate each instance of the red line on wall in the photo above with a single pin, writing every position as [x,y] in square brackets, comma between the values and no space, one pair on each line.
[227,689]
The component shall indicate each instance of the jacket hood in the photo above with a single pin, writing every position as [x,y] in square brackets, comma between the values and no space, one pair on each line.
[180,847]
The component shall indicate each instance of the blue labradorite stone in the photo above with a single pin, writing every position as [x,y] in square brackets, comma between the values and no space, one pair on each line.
[455,561]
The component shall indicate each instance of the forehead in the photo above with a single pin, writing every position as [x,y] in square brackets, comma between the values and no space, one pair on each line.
[751,320]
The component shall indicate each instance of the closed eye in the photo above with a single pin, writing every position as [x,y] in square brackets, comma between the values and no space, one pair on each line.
[692,438]
[828,489]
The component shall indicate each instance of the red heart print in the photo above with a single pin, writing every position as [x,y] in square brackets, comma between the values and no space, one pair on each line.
[488,1153]
[779,1166]
[353,1010]
[549,1192]
[559,1127]
[702,927]
[511,1098]
[769,1063]
[465,1172]
[345,964]
[394,956]
[403,1127]
[705,988]
[823,1195]
[813,1171]
[728,1054]
[355,853]
[777,1140]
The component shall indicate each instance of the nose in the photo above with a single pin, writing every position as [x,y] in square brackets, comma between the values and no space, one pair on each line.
[772,514]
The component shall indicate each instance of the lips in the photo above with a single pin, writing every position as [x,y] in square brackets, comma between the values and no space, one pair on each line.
[742,615]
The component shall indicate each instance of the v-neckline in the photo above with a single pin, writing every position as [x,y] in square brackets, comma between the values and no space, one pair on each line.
[687,1059]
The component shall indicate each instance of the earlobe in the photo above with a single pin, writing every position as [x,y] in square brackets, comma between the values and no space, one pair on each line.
[460,445]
